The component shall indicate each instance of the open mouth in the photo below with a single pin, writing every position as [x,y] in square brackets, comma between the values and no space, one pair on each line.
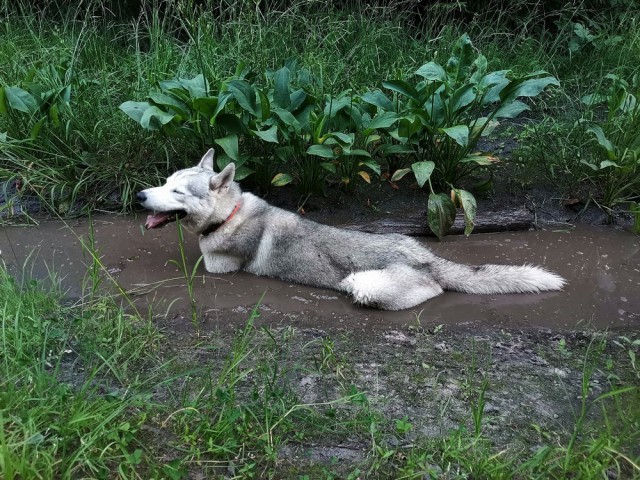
[159,219]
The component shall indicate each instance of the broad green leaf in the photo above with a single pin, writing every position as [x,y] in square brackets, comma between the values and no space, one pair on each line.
[334,105]
[197,86]
[242,172]
[270,135]
[603,140]
[230,123]
[384,120]
[281,179]
[287,118]
[422,171]
[398,174]
[592,166]
[321,120]
[463,96]
[484,125]
[358,152]
[329,167]
[153,118]
[35,131]
[244,94]
[407,127]
[340,138]
[459,64]
[3,102]
[164,100]
[286,153]
[441,213]
[511,109]
[593,99]
[21,100]
[378,99]
[65,95]
[480,65]
[494,92]
[298,98]
[372,138]
[528,87]
[223,99]
[135,110]
[281,94]
[324,151]
[372,164]
[54,115]
[432,71]
[303,116]
[469,206]
[404,88]
[174,84]
[460,133]
[207,106]
[230,146]
[494,78]
[265,106]
[608,163]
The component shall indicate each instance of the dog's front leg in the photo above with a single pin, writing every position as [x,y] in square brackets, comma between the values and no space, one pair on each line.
[221,263]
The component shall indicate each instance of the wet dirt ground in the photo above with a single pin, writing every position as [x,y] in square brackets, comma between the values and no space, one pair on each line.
[601,264]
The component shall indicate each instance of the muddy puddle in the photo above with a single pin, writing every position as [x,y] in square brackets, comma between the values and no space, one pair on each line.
[602,266]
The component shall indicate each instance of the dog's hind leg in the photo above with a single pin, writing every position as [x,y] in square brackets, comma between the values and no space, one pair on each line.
[393,288]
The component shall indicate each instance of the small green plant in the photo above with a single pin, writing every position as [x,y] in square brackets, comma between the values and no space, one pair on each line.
[584,40]
[189,275]
[403,425]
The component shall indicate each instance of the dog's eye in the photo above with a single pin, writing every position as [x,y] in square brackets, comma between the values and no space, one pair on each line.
[178,192]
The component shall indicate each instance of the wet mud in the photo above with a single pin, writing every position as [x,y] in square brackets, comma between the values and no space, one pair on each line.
[601,264]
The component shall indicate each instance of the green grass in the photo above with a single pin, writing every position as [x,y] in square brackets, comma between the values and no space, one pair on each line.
[87,390]
[100,157]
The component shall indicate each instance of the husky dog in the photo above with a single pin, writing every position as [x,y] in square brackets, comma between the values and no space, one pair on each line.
[240,231]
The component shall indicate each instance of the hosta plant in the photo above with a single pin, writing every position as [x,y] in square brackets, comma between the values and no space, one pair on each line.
[440,118]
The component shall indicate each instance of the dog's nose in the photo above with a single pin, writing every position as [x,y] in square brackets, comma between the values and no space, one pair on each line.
[141,196]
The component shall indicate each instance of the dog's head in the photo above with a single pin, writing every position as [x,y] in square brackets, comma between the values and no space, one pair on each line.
[198,196]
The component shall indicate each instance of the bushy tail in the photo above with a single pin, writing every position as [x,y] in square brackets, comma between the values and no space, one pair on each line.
[494,278]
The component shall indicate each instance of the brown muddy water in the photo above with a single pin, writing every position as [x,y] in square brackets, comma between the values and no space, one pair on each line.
[601,264]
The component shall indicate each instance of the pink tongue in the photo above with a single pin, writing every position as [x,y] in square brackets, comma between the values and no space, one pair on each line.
[158,219]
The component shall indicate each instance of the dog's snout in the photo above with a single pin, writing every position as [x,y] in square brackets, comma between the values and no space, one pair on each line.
[141,196]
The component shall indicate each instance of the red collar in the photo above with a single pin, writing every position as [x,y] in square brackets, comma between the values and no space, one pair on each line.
[212,228]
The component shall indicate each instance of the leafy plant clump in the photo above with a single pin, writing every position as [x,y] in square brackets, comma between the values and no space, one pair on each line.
[278,131]
[439,120]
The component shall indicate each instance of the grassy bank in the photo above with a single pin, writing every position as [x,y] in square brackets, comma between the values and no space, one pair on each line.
[91,391]
[93,59]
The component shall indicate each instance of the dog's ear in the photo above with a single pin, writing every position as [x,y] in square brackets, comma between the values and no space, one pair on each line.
[223,179]
[206,161]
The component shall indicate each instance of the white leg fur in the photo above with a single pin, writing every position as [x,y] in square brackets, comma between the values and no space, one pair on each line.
[219,263]
[392,288]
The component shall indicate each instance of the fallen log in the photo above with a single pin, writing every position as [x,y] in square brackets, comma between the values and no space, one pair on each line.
[415,224]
